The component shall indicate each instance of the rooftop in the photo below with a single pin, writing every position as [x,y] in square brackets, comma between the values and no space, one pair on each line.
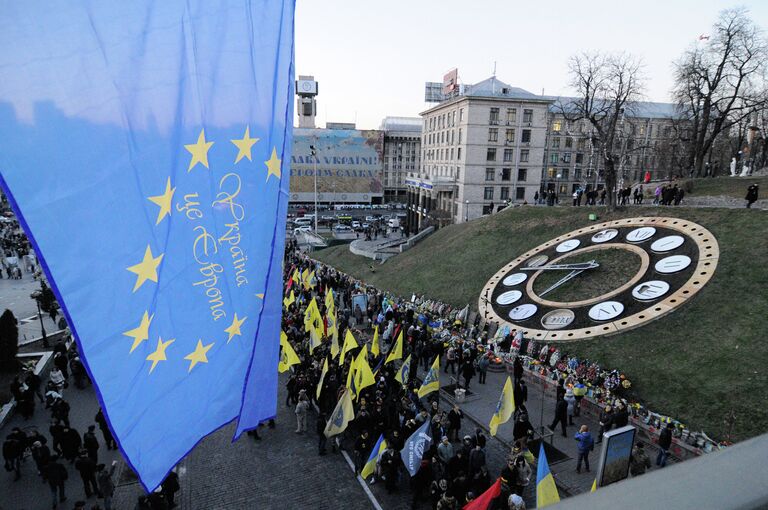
[401,124]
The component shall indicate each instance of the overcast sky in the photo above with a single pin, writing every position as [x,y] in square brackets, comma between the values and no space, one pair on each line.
[371,59]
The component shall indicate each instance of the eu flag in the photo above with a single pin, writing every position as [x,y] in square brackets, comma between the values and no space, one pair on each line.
[144,146]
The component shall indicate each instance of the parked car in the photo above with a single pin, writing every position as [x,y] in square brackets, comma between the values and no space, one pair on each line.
[370,218]
[304,228]
[342,228]
[356,225]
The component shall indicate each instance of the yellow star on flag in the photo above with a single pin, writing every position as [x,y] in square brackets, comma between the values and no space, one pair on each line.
[159,354]
[234,328]
[141,332]
[244,145]
[273,165]
[199,151]
[260,296]
[198,355]
[164,201]
[146,269]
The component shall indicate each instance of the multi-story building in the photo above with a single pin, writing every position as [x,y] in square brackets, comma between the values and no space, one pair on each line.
[572,159]
[402,154]
[479,150]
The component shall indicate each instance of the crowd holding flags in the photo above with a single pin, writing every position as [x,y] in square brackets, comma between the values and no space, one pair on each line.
[504,408]
[431,381]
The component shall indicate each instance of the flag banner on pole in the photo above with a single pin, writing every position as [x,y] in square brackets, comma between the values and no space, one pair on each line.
[397,350]
[144,147]
[415,446]
[546,490]
[431,381]
[370,465]
[404,372]
[341,416]
[504,408]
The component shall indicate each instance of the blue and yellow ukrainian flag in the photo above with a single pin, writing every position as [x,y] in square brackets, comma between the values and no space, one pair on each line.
[504,408]
[546,490]
[144,147]
[370,465]
[431,381]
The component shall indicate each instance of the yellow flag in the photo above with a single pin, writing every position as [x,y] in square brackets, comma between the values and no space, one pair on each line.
[594,486]
[311,280]
[295,276]
[397,350]
[309,314]
[351,376]
[431,380]
[334,339]
[349,344]
[375,341]
[288,356]
[289,300]
[304,277]
[504,408]
[329,302]
[404,372]
[322,378]
[332,326]
[341,416]
[363,373]
[314,339]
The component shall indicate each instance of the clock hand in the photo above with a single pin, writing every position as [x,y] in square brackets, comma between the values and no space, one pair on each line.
[561,267]
[567,277]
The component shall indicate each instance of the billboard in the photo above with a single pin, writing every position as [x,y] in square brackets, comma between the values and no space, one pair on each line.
[349,165]
[615,455]
[450,81]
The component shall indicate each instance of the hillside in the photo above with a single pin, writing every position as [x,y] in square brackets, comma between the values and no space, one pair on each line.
[698,363]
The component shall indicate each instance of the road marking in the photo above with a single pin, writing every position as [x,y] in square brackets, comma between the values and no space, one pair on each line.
[364,485]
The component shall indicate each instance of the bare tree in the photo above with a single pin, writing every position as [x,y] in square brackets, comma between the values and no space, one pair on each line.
[715,85]
[607,87]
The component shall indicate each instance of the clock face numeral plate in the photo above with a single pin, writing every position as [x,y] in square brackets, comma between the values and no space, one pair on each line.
[558,319]
[597,291]
[672,264]
[509,297]
[515,279]
[566,246]
[522,312]
[606,311]
[667,243]
[537,261]
[641,234]
[605,235]
[648,291]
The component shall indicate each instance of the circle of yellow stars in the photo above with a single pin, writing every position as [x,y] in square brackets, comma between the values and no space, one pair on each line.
[147,269]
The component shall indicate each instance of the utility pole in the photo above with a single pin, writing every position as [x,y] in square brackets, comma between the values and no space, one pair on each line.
[314,162]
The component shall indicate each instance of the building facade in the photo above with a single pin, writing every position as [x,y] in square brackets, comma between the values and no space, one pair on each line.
[402,154]
[480,150]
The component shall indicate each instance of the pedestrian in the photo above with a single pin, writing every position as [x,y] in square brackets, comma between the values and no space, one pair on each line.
[41,454]
[60,410]
[665,443]
[482,367]
[455,416]
[586,445]
[561,415]
[621,417]
[34,383]
[86,466]
[517,369]
[752,193]
[320,429]
[606,422]
[169,487]
[450,360]
[445,450]
[56,476]
[13,451]
[106,485]
[91,444]
[515,502]
[571,400]
[468,371]
[389,467]
[362,450]
[302,408]
[70,443]
[639,461]
[109,440]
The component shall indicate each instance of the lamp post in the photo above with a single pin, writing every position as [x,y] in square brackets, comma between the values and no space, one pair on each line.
[466,211]
[37,295]
[314,162]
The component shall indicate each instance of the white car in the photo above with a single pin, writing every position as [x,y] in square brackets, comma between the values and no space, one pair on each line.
[370,218]
[355,225]
[303,228]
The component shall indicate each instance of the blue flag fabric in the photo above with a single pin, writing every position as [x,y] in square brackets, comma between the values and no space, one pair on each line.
[145,146]
[414,448]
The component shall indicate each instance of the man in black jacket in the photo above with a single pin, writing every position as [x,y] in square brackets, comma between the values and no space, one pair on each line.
[561,415]
[665,442]
[86,466]
[56,475]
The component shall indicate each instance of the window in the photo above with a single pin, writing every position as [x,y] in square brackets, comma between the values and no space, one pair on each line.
[557,126]
[508,155]
[511,116]
[487,209]
[564,174]
[460,134]
[488,194]
[458,154]
[490,155]
[520,193]
[526,138]
[489,174]
[461,115]
[551,172]
[579,157]
[522,174]
[577,174]
[527,115]
[524,155]
[582,144]
[510,135]
[556,142]
[567,157]
[568,142]
[451,153]
[494,118]
[506,174]
[493,134]
[504,193]
[554,158]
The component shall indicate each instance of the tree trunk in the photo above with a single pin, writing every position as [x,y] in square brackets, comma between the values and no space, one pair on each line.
[610,182]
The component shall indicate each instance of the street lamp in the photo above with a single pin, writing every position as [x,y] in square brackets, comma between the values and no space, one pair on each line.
[37,296]
[314,162]
[466,211]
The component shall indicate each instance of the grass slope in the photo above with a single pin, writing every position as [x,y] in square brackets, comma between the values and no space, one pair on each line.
[735,187]
[697,364]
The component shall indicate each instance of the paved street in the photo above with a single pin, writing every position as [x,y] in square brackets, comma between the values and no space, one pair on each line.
[14,295]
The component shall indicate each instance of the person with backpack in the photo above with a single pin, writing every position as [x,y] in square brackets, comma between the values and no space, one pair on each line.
[450,360]
[586,445]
